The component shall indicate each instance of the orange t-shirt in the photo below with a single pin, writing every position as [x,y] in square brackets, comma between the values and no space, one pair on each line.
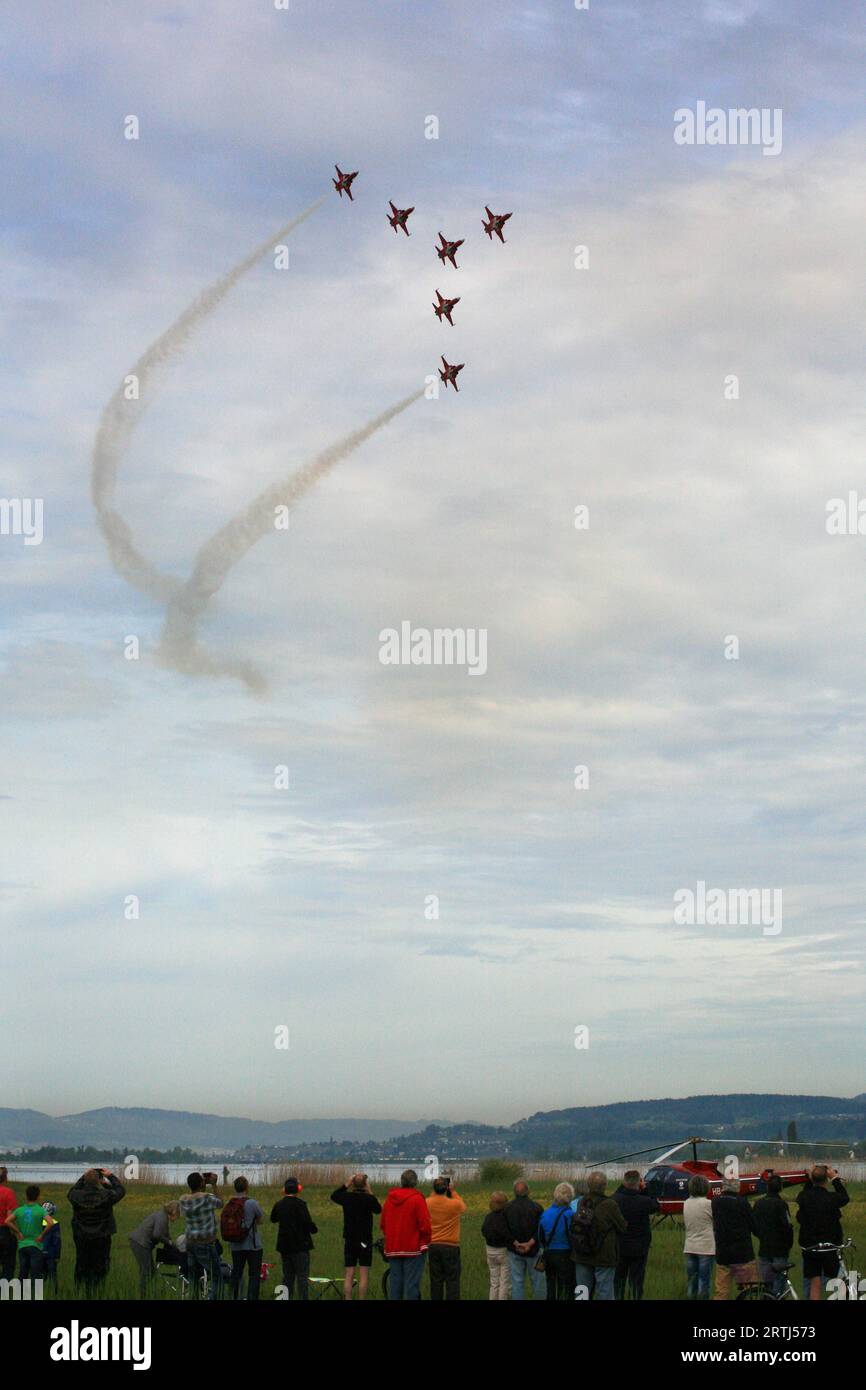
[445,1213]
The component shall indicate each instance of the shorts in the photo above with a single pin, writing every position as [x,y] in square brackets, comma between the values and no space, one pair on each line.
[356,1252]
[822,1262]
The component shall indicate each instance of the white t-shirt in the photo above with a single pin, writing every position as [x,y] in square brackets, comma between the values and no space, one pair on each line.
[698,1218]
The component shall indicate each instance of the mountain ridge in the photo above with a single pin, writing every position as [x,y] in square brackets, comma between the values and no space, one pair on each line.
[114,1126]
[557,1132]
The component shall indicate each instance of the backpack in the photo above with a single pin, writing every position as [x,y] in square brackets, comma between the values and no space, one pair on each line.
[586,1237]
[232,1227]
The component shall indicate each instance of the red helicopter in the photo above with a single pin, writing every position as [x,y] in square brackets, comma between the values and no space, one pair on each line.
[669,1182]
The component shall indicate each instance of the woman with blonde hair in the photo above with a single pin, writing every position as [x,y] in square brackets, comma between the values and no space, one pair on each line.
[554,1237]
[497,1241]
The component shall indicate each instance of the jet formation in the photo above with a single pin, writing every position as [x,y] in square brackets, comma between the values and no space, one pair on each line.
[446,251]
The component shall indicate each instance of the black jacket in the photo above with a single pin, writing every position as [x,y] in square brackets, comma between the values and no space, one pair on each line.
[637,1208]
[818,1213]
[494,1229]
[775,1227]
[734,1225]
[359,1208]
[521,1217]
[296,1225]
[93,1207]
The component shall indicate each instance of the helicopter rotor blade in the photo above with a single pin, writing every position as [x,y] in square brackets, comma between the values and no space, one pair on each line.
[787,1143]
[636,1153]
[724,1139]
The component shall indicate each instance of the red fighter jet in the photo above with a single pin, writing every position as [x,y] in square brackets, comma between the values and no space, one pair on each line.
[448,249]
[343,182]
[495,224]
[399,218]
[449,373]
[444,307]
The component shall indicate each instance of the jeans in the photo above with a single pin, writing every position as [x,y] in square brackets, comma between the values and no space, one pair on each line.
[251,1260]
[296,1265]
[205,1259]
[500,1273]
[630,1270]
[594,1281]
[404,1284]
[444,1266]
[699,1271]
[559,1273]
[31,1262]
[521,1266]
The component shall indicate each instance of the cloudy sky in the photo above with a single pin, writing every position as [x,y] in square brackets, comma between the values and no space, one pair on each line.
[606,386]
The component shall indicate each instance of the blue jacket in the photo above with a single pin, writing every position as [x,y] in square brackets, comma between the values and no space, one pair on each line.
[554,1228]
[51,1242]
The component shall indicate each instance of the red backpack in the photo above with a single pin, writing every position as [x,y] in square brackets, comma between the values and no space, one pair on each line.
[232,1226]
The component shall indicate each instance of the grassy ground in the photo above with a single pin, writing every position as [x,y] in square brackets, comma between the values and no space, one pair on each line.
[665,1275]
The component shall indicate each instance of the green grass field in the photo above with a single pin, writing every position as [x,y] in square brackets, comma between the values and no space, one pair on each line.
[665,1274]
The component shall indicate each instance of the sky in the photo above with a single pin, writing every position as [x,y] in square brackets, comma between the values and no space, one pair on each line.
[598,379]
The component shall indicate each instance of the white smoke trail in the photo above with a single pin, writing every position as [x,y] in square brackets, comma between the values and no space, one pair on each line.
[121,417]
[186,602]
[179,646]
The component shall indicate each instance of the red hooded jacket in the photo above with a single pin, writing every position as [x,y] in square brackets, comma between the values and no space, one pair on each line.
[405,1222]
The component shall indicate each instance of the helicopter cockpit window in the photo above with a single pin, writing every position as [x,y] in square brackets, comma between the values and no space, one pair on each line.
[654,1180]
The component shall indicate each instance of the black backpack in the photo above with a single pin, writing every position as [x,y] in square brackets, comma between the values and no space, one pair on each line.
[586,1237]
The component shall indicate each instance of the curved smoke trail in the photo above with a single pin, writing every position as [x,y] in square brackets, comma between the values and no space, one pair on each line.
[186,601]
[179,646]
[121,417]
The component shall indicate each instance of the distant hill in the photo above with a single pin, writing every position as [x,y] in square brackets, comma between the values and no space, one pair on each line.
[115,1127]
[600,1130]
[638,1124]
[604,1131]
[597,1130]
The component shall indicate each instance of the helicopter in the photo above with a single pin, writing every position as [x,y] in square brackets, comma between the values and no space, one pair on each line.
[669,1182]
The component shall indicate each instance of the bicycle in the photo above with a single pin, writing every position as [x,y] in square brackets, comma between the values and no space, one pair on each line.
[379,1247]
[762,1290]
[843,1276]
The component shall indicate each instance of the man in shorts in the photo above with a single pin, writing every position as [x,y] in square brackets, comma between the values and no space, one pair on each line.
[818,1216]
[359,1207]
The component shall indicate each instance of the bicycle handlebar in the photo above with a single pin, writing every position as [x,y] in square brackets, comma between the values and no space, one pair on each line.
[825,1245]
